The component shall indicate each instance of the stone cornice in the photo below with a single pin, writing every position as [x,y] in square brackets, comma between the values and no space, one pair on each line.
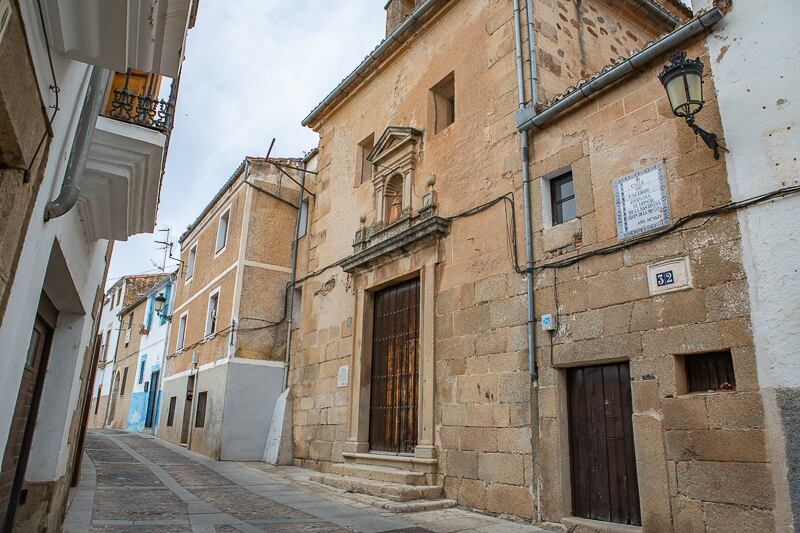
[398,238]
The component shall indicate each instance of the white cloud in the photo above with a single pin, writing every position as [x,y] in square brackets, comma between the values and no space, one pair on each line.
[252,72]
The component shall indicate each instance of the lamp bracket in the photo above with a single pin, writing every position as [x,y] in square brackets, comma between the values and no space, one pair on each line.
[709,138]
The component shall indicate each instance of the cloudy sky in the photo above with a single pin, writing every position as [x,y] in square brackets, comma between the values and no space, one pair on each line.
[252,72]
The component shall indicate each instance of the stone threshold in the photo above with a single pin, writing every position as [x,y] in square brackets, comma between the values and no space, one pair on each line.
[406,462]
[587,525]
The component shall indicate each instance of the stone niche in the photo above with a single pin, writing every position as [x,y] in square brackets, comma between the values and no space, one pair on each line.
[399,225]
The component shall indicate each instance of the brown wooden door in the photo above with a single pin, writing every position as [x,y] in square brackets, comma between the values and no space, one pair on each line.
[395,347]
[602,458]
[20,435]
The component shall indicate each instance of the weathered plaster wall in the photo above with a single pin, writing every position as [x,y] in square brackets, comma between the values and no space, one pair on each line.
[250,400]
[206,440]
[761,120]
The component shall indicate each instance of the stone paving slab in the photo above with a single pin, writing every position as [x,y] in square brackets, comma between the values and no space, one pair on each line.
[132,482]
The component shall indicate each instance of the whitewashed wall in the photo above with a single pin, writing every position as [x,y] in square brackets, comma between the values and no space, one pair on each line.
[755,55]
[73,287]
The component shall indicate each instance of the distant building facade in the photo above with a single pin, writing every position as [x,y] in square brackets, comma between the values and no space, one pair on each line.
[146,390]
[225,359]
[122,293]
[137,318]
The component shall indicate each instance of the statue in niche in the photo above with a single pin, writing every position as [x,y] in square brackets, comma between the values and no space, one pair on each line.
[395,208]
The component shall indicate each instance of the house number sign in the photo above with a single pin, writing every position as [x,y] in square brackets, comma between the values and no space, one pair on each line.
[641,202]
[665,278]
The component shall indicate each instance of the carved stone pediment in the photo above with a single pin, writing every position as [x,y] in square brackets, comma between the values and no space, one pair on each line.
[395,141]
[399,223]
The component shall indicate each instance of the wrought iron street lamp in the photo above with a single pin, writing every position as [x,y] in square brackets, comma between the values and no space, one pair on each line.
[160,303]
[683,81]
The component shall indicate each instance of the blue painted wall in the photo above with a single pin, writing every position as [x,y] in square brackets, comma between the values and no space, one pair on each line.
[137,411]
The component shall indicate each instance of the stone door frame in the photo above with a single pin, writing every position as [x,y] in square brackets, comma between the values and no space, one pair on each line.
[366,285]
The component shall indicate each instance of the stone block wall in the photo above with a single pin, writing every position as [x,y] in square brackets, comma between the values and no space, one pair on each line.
[23,123]
[481,402]
[700,457]
[482,428]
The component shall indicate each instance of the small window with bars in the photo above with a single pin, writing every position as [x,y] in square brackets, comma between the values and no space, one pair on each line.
[709,372]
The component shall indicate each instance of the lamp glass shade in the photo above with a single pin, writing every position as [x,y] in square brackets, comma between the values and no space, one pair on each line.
[160,302]
[683,81]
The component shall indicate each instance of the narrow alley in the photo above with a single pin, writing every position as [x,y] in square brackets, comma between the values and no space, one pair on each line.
[133,482]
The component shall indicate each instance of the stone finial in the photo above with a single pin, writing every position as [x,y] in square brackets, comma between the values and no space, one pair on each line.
[362,218]
[431,182]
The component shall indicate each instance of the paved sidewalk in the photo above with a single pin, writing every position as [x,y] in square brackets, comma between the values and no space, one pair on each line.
[133,482]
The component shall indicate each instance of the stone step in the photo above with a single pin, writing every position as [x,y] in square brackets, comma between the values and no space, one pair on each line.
[378,473]
[402,462]
[398,492]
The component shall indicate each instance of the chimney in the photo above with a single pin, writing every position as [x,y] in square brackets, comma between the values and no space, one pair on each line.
[396,12]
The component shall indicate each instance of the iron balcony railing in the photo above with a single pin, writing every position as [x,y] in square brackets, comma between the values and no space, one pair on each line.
[142,110]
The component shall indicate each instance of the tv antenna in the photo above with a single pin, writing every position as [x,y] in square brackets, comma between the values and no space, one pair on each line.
[166,246]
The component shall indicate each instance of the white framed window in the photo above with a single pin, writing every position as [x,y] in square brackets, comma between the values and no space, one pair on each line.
[211,315]
[190,261]
[182,331]
[559,204]
[222,231]
[302,224]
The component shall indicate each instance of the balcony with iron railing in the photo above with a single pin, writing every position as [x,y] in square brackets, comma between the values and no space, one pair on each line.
[133,98]
[125,162]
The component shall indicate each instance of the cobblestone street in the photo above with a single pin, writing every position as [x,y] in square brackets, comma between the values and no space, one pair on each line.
[132,482]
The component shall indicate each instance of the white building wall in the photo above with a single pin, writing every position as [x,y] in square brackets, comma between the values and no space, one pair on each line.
[109,321]
[152,348]
[755,55]
[72,288]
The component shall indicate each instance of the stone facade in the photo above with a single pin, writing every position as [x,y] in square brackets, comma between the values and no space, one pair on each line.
[491,439]
[700,457]
[247,275]
[24,145]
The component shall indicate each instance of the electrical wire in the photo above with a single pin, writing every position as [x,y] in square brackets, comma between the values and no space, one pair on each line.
[511,230]
[675,226]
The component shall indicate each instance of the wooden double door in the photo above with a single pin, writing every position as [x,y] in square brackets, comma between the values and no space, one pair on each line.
[395,369]
[602,457]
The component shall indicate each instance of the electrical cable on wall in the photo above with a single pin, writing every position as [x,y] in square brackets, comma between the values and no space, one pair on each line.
[511,230]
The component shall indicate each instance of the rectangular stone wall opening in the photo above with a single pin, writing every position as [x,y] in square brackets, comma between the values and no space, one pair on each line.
[705,372]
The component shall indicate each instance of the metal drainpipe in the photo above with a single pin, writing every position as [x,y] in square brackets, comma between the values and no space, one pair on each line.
[71,185]
[526,191]
[293,277]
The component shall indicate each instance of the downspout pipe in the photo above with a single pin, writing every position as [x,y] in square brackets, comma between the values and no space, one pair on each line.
[527,118]
[526,192]
[71,185]
[293,275]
